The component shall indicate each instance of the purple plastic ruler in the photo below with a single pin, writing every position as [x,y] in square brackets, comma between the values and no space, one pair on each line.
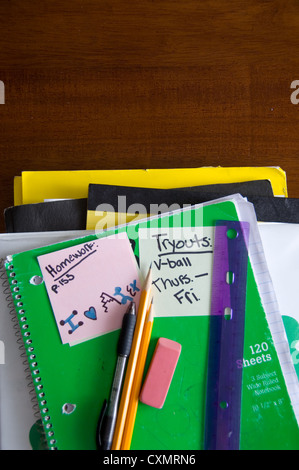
[227,321]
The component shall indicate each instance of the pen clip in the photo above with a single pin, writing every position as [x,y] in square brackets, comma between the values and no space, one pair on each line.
[100,423]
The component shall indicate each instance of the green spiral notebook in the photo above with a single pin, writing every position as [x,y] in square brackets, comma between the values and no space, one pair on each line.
[72,375]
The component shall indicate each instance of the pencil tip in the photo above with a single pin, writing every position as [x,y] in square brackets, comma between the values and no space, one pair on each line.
[148,280]
[151,312]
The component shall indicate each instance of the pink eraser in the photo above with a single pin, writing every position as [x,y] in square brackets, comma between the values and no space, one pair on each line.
[160,372]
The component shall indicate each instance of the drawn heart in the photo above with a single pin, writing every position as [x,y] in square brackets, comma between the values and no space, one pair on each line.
[91,313]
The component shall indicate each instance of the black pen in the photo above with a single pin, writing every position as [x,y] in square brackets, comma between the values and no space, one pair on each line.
[107,421]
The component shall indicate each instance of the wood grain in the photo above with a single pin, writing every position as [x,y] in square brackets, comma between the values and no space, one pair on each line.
[156,84]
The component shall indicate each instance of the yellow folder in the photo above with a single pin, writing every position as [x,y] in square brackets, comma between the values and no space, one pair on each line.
[17,190]
[40,185]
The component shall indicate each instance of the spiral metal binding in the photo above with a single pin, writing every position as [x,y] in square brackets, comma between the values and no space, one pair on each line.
[26,347]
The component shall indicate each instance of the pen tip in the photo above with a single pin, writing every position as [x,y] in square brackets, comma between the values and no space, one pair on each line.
[132,308]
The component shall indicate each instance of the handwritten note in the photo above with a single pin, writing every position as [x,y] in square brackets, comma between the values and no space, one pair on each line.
[182,262]
[90,286]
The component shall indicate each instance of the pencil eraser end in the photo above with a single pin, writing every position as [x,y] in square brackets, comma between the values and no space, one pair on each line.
[160,373]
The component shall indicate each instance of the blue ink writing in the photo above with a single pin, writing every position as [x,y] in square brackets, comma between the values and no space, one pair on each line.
[70,322]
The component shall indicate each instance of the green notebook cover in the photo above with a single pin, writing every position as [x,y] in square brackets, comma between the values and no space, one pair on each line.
[81,375]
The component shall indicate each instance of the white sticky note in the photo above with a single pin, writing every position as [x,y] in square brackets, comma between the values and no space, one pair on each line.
[182,265]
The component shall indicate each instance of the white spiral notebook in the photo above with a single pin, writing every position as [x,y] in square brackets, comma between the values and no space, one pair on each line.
[18,412]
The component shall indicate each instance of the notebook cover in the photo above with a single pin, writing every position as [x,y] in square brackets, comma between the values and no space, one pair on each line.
[123,199]
[40,185]
[69,214]
[82,374]
[267,207]
[276,209]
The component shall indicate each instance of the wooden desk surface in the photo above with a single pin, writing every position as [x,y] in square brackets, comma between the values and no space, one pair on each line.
[148,84]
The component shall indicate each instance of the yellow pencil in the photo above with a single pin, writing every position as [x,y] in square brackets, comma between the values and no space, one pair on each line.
[144,302]
[134,398]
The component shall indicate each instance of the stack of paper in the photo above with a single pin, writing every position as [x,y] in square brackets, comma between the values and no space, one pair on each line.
[53,207]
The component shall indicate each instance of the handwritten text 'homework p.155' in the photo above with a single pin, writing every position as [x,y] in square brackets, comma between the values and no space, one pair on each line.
[90,285]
